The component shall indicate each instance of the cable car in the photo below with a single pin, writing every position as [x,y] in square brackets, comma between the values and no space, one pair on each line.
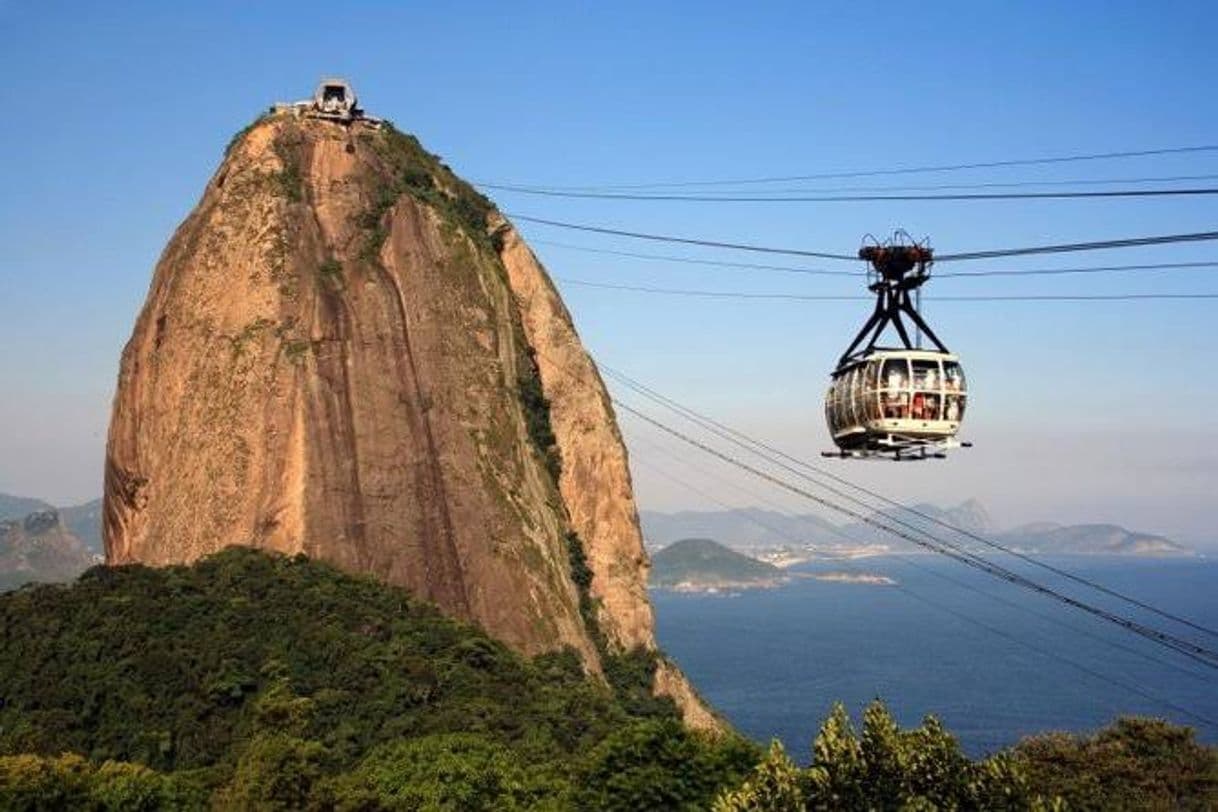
[901,402]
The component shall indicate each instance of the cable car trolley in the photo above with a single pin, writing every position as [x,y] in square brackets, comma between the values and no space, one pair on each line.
[904,402]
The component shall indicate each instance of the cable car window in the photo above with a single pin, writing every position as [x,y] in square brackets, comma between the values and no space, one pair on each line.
[896,374]
[953,408]
[873,385]
[926,375]
[925,406]
[895,397]
[858,395]
[953,376]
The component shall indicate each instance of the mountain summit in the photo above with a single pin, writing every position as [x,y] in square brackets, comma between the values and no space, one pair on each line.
[347,352]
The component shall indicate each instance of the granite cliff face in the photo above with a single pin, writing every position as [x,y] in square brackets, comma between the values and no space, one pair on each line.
[346,352]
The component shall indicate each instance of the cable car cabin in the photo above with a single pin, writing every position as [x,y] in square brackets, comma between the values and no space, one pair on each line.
[904,402]
[899,402]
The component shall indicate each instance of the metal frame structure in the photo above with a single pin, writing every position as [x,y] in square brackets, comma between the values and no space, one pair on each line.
[900,267]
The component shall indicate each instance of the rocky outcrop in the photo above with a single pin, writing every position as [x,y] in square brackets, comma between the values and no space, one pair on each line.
[346,353]
[39,547]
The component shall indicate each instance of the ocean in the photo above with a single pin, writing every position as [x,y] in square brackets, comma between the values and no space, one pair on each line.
[943,642]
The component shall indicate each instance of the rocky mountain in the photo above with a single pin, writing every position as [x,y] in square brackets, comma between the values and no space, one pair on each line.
[347,352]
[38,547]
[705,562]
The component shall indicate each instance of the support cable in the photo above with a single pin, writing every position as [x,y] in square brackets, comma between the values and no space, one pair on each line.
[1131,242]
[967,618]
[887,197]
[911,170]
[904,559]
[1158,266]
[807,297]
[1187,648]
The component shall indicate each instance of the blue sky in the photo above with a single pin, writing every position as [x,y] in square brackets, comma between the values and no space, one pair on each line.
[118,114]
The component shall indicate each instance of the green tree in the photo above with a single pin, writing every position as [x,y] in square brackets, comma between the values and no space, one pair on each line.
[883,768]
[460,772]
[33,783]
[661,765]
[276,771]
[773,786]
[1135,763]
[836,778]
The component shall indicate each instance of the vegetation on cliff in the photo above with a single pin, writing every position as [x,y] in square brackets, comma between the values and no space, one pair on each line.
[256,681]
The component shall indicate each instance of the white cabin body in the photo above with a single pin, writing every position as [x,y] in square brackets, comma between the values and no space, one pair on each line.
[891,399]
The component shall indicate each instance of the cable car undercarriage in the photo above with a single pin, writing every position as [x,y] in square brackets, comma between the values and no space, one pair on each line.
[902,403]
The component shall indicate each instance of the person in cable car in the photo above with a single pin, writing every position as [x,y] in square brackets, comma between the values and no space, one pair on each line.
[930,409]
[952,412]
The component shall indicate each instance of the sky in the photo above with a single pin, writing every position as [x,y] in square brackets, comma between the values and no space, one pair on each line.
[119,113]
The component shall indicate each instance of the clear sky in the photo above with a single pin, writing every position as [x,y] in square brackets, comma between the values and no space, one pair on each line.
[116,115]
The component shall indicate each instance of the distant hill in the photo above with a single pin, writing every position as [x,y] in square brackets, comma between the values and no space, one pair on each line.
[1108,539]
[741,528]
[85,523]
[702,562]
[753,528]
[39,547]
[18,507]
[84,520]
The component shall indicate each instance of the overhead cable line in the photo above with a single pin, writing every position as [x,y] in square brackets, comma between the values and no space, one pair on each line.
[782,534]
[770,452]
[722,294]
[1098,245]
[1016,184]
[912,170]
[1158,266]
[711,293]
[1187,648]
[933,187]
[1131,242]
[713,263]
[1071,194]
[684,240]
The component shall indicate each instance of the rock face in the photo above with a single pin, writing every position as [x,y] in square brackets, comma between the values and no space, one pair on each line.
[39,547]
[347,353]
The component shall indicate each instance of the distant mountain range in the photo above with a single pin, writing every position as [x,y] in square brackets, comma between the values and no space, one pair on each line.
[756,528]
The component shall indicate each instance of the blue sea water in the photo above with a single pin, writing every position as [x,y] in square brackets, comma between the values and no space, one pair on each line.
[991,660]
